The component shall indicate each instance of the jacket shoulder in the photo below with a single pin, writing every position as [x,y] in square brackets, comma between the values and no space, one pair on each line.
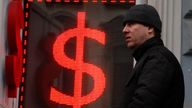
[162,53]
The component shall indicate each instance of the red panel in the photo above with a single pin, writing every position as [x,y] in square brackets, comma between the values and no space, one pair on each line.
[27,5]
[39,0]
[94,1]
[122,1]
[26,24]
[132,1]
[58,0]
[85,1]
[48,0]
[113,1]
[30,0]
[67,0]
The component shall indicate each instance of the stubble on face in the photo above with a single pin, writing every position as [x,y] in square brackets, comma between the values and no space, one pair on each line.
[135,34]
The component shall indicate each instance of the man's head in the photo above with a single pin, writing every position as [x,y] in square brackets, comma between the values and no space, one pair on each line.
[141,23]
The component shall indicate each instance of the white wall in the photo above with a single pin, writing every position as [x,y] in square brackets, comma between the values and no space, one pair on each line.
[5,102]
[170,13]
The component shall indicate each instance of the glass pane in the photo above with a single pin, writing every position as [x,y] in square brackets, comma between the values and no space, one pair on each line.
[76,55]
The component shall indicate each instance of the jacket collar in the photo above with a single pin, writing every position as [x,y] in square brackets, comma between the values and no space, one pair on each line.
[140,51]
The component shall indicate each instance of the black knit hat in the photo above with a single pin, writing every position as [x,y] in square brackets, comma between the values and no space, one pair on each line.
[144,14]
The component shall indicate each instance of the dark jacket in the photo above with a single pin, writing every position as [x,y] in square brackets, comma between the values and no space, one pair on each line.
[157,79]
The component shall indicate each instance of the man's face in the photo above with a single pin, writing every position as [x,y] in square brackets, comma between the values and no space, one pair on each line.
[136,34]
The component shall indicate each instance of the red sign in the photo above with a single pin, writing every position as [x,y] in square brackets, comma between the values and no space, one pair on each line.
[13,61]
[71,58]
[103,1]
[78,65]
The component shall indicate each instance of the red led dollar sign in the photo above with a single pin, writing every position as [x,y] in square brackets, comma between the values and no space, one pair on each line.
[13,61]
[78,65]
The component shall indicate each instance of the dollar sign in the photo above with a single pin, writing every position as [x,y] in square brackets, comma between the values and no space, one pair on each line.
[78,65]
[13,61]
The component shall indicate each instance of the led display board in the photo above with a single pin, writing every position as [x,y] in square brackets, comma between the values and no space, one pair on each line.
[74,53]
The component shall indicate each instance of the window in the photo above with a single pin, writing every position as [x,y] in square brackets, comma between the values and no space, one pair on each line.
[76,56]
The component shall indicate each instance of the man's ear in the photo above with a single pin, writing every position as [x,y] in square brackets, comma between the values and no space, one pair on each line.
[151,30]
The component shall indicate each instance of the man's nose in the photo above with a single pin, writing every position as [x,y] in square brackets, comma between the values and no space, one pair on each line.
[125,29]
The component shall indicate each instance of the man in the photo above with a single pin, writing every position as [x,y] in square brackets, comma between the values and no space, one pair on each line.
[157,78]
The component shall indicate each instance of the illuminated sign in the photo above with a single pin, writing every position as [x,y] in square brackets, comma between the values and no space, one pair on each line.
[74,54]
[78,64]
[76,1]
[13,65]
